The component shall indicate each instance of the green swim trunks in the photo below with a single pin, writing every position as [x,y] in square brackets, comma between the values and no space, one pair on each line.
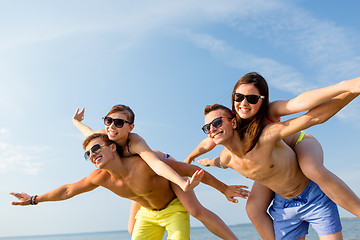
[151,224]
[302,134]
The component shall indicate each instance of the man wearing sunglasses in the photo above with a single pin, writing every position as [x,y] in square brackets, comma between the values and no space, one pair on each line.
[132,178]
[298,201]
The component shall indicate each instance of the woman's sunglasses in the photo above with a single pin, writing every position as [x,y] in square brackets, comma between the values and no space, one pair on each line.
[252,99]
[94,149]
[118,122]
[216,123]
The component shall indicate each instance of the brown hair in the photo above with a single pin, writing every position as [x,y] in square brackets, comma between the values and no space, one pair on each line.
[252,127]
[210,108]
[103,137]
[122,108]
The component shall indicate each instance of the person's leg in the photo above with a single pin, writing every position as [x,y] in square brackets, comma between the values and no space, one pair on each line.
[210,220]
[145,228]
[176,220]
[310,157]
[335,236]
[256,208]
[321,212]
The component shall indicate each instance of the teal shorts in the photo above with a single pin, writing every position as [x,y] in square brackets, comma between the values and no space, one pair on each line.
[293,216]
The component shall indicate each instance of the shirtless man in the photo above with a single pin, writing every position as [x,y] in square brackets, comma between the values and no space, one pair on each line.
[272,163]
[132,178]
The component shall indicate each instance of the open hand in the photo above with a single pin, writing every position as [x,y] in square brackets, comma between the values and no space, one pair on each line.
[236,191]
[79,115]
[194,181]
[23,198]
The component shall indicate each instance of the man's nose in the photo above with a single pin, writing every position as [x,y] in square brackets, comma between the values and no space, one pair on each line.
[92,154]
[212,128]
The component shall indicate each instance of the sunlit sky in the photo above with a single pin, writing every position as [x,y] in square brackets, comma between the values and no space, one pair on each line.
[166,60]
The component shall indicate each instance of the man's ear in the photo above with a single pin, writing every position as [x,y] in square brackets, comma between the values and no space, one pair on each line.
[132,127]
[113,147]
[234,123]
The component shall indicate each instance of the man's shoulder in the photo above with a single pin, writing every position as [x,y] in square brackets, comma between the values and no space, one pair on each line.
[98,175]
[225,154]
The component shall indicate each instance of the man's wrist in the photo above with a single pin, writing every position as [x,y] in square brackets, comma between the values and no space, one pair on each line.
[33,200]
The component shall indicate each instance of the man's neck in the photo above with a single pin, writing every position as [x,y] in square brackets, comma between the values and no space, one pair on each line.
[117,167]
[235,145]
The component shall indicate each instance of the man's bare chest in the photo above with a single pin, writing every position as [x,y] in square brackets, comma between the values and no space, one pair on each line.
[132,188]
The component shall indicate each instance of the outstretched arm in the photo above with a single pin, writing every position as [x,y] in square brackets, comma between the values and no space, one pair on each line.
[318,115]
[229,191]
[77,121]
[62,193]
[204,146]
[220,162]
[139,146]
[310,99]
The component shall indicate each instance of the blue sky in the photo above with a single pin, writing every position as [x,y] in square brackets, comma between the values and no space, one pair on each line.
[166,60]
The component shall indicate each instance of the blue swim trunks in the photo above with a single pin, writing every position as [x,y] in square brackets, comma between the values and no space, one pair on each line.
[293,216]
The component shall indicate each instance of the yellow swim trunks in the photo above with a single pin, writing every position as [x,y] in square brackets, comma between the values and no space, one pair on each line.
[151,224]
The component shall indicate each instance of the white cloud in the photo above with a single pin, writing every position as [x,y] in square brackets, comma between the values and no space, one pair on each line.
[46,22]
[4,132]
[20,159]
[326,48]
[278,75]
[330,53]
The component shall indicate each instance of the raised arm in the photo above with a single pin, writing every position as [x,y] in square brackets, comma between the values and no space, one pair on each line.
[229,191]
[139,146]
[204,146]
[77,121]
[317,115]
[310,99]
[61,193]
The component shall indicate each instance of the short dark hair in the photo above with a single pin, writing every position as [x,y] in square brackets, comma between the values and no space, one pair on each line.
[106,140]
[210,108]
[91,137]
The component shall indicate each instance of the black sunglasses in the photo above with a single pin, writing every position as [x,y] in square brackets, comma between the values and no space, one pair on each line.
[216,123]
[94,149]
[252,99]
[118,122]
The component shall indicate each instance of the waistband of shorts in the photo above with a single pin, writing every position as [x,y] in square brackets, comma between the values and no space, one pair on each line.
[172,202]
[302,195]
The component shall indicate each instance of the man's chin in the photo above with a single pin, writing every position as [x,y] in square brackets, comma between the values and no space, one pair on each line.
[217,141]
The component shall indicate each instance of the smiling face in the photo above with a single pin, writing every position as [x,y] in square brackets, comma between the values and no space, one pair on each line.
[223,132]
[101,157]
[119,135]
[245,109]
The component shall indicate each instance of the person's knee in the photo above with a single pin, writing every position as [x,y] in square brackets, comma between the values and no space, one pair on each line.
[252,209]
